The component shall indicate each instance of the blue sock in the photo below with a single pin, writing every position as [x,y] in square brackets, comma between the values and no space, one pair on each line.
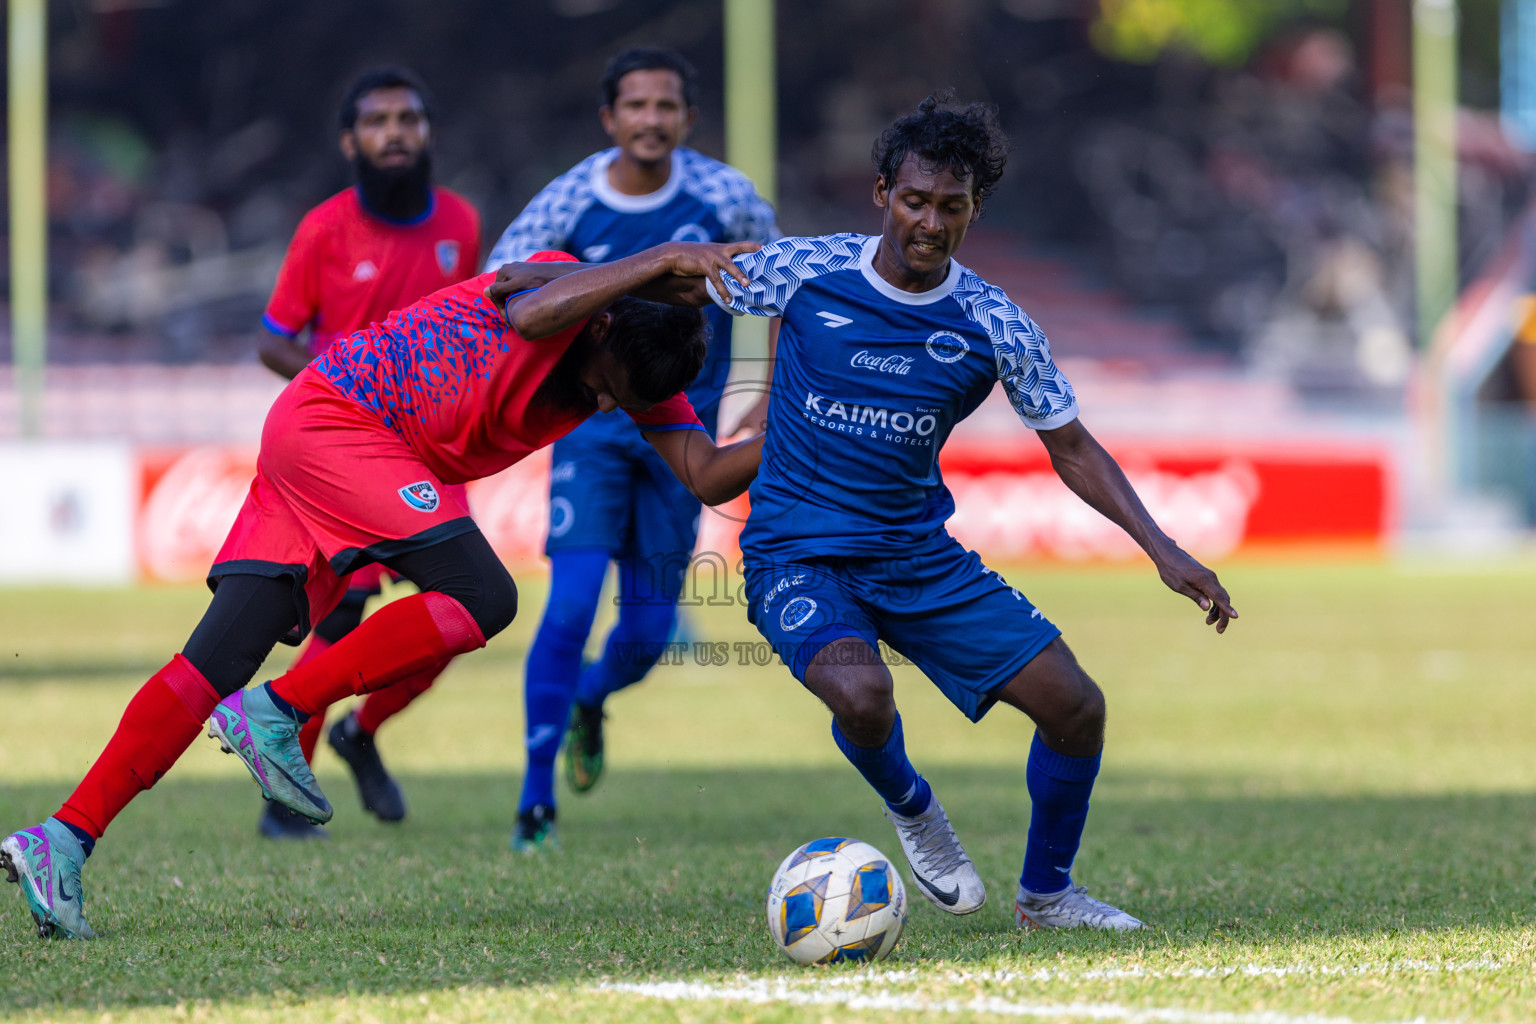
[888,770]
[87,841]
[547,707]
[283,706]
[1059,787]
[554,663]
[632,648]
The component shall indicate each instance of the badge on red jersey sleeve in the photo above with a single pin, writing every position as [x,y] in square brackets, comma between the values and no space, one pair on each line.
[447,255]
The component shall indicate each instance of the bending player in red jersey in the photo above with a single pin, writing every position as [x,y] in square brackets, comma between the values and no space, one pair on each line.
[363,253]
[354,457]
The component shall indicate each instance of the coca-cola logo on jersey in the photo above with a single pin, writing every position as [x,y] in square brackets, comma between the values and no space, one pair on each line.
[898,365]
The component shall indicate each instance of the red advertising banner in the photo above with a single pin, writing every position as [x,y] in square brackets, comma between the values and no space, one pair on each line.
[1215,500]
[189,497]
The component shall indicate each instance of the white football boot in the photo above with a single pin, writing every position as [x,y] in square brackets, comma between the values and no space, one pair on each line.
[1070,908]
[939,864]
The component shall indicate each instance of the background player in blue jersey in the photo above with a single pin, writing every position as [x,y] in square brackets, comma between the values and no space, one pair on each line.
[611,497]
[886,344]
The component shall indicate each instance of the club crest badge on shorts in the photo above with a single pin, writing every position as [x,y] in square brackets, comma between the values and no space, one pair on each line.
[797,612]
[421,496]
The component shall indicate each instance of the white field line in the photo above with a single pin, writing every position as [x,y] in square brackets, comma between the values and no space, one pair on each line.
[1220,972]
[761,992]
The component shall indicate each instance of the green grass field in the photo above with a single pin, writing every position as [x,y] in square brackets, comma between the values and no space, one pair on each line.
[1330,812]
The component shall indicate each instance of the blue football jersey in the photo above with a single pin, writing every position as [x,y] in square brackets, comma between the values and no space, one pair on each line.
[869,382]
[703,200]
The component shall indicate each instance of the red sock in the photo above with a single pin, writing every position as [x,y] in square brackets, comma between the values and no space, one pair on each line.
[400,640]
[309,736]
[159,724]
[309,733]
[382,705]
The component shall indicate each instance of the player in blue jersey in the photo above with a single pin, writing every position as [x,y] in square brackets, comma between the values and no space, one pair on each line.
[611,497]
[887,343]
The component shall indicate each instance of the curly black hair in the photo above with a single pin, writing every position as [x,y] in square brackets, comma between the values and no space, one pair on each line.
[966,141]
[661,347]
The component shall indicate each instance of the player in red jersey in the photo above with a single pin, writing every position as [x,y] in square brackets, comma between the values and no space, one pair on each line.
[393,235]
[363,253]
[354,457]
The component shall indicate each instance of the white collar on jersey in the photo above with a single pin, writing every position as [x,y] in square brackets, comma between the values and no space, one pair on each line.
[621,203]
[890,291]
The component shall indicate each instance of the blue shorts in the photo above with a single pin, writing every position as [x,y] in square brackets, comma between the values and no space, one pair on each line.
[609,489]
[937,606]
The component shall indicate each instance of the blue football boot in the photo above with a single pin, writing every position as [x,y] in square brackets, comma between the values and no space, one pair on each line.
[45,861]
[248,725]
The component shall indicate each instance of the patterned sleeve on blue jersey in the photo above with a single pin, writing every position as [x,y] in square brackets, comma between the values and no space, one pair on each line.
[777,270]
[745,215]
[1035,385]
[547,220]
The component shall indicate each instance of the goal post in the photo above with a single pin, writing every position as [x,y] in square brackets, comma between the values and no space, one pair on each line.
[1434,162]
[27,106]
[751,129]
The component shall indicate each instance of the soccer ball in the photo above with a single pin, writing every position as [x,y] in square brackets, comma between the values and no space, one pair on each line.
[834,900]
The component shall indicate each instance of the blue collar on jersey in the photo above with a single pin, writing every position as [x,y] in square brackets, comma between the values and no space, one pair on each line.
[395,221]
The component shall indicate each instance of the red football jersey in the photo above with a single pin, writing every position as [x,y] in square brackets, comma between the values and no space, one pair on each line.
[461,386]
[347,268]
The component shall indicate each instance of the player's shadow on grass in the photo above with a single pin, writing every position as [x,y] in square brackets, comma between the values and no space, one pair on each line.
[61,671]
[663,873]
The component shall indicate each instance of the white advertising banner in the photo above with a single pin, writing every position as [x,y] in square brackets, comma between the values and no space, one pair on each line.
[69,517]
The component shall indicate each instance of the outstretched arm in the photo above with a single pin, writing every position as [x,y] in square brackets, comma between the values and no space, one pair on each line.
[512,279]
[714,474]
[578,295]
[1093,475]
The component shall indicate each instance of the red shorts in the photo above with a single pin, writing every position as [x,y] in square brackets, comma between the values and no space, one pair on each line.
[335,491]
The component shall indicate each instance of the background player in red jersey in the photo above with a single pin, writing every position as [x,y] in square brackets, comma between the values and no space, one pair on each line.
[354,456]
[363,253]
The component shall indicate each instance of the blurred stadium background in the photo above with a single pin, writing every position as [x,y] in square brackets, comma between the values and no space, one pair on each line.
[1281,247]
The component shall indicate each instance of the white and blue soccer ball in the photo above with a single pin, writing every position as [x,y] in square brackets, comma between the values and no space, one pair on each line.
[834,900]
